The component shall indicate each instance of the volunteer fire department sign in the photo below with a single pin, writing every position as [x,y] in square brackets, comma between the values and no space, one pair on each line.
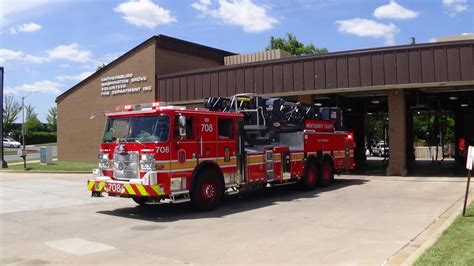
[123,84]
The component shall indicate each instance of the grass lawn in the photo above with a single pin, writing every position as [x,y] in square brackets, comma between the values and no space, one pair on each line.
[55,166]
[46,144]
[455,246]
[10,151]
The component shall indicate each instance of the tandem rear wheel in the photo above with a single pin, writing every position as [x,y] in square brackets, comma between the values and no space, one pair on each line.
[310,177]
[208,190]
[327,172]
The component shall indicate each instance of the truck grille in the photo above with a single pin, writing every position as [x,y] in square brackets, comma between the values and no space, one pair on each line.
[126,165]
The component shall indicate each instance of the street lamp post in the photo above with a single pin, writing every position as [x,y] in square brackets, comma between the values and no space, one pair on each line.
[2,155]
[23,150]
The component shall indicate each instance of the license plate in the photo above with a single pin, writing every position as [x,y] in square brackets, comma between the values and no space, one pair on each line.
[114,188]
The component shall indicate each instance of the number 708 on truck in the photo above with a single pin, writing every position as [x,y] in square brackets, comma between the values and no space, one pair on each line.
[156,153]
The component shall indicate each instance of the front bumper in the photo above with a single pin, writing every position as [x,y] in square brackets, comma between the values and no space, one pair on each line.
[133,188]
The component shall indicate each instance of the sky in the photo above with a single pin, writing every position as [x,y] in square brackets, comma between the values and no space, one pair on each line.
[48,46]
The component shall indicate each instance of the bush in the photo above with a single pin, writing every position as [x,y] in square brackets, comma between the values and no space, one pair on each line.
[35,137]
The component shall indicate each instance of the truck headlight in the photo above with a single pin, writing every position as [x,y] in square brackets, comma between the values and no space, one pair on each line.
[147,166]
[148,157]
[147,162]
[103,161]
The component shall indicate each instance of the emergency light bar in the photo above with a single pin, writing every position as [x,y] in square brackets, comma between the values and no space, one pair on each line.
[147,107]
[138,107]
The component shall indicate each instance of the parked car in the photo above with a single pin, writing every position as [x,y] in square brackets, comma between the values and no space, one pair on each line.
[380,149]
[11,143]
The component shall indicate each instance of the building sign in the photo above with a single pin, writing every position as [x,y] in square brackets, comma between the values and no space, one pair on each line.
[123,84]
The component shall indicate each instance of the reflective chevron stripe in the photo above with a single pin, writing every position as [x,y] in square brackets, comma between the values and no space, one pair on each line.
[128,189]
[95,185]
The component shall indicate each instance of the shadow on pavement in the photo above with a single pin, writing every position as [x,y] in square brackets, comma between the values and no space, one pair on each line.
[232,204]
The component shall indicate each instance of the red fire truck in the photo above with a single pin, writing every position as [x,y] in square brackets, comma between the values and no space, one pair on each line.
[155,153]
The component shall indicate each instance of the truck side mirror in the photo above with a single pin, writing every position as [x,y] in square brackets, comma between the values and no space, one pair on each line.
[182,126]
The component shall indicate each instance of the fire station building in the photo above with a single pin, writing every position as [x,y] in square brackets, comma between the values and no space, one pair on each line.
[399,81]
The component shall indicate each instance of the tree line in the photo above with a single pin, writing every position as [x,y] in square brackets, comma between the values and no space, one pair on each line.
[35,130]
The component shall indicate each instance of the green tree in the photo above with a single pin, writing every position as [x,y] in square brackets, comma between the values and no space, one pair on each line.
[376,127]
[293,46]
[29,111]
[32,124]
[11,109]
[99,67]
[429,126]
[52,118]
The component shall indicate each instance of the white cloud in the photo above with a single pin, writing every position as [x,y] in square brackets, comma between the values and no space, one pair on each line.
[70,52]
[455,6]
[250,16]
[44,86]
[144,13]
[77,77]
[10,55]
[368,28]
[29,27]
[10,8]
[26,27]
[393,10]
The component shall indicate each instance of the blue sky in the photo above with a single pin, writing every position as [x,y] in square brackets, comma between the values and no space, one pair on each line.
[47,47]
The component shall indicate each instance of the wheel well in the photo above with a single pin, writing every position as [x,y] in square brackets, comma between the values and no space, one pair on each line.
[205,165]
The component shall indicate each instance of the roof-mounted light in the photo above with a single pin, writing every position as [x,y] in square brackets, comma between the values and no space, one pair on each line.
[139,107]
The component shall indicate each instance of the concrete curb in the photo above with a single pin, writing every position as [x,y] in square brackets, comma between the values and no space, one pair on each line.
[408,254]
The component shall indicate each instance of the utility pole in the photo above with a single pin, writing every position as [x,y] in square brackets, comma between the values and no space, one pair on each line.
[23,150]
[2,155]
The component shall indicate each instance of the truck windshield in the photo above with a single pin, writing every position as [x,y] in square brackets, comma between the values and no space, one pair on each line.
[140,129]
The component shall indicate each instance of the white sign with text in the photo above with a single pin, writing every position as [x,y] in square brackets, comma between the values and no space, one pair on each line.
[470,158]
[122,84]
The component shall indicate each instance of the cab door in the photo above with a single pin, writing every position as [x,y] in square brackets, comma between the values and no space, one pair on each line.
[206,133]
[227,148]
[184,149]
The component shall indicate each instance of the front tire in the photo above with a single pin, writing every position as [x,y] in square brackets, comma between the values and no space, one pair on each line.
[208,191]
[140,201]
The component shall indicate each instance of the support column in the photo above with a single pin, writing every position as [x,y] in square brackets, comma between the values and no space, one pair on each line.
[397,125]
[410,138]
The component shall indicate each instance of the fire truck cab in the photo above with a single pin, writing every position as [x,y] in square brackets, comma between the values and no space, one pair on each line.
[155,153]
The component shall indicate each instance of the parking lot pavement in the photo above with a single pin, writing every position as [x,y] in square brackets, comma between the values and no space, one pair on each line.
[50,218]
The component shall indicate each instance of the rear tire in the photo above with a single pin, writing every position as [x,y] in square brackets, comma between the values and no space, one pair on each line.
[327,172]
[208,191]
[309,181]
